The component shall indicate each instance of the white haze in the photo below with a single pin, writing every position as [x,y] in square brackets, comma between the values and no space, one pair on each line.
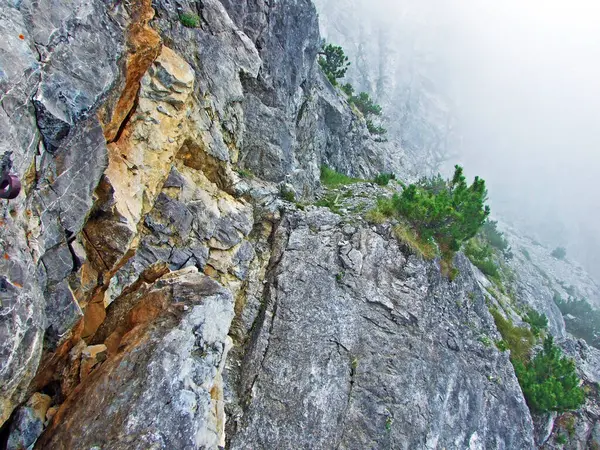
[524,78]
[527,78]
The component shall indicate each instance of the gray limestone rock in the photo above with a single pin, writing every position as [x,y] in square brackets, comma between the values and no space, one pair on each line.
[80,44]
[59,61]
[295,121]
[359,345]
[393,59]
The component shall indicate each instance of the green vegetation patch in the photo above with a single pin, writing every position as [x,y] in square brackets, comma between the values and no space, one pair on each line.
[331,201]
[537,321]
[403,232]
[449,211]
[424,248]
[519,340]
[347,89]
[365,104]
[189,20]
[244,173]
[334,62]
[383,179]
[481,255]
[288,196]
[376,130]
[436,215]
[495,238]
[549,381]
[331,178]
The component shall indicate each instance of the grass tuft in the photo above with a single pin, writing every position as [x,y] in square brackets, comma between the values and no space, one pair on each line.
[331,201]
[331,178]
[245,173]
[519,340]
[376,216]
[189,20]
[382,211]
[407,236]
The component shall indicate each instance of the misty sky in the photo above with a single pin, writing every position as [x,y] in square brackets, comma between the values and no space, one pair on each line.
[524,80]
[526,76]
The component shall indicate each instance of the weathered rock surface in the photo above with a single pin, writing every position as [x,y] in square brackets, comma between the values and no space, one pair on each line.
[357,345]
[295,121]
[162,387]
[28,422]
[539,278]
[393,50]
[76,76]
[29,37]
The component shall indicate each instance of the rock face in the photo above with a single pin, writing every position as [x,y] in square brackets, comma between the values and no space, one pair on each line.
[156,290]
[291,85]
[541,277]
[366,347]
[121,118]
[162,389]
[28,423]
[393,52]
[58,62]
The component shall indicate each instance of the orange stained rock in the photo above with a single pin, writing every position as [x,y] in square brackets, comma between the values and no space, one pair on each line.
[144,45]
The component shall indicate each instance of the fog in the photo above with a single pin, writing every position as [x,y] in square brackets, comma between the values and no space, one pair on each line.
[523,79]
[526,78]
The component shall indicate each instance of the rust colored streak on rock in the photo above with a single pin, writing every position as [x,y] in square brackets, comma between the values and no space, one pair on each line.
[132,333]
[143,47]
[63,416]
[53,364]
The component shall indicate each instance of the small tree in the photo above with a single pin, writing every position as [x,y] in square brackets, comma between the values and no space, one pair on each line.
[334,62]
[365,104]
[549,382]
[583,321]
[451,212]
[377,130]
[537,321]
[559,253]
[482,256]
[495,237]
[348,89]
[383,179]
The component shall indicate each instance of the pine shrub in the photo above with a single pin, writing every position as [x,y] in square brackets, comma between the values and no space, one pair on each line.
[549,381]
[334,62]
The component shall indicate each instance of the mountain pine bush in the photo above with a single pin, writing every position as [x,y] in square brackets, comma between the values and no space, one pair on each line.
[334,62]
[450,212]
[549,381]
